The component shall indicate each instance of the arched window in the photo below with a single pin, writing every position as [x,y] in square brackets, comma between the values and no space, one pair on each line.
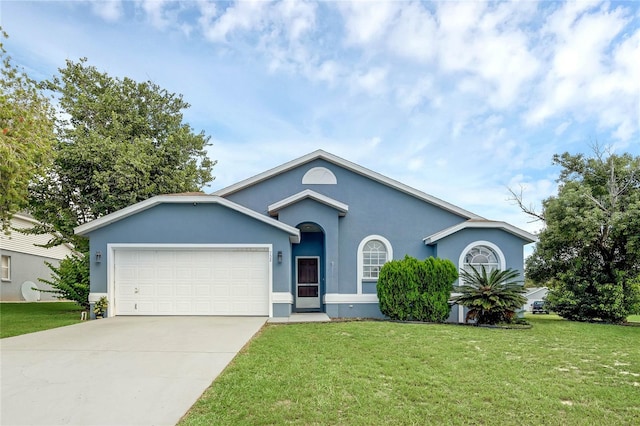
[482,253]
[373,252]
[374,255]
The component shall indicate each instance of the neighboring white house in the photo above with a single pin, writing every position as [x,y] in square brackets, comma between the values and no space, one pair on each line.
[533,294]
[22,262]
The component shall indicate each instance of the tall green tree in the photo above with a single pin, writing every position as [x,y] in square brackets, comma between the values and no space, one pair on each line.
[119,142]
[589,251]
[26,136]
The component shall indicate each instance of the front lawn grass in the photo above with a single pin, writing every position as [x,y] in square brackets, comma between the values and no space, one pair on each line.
[23,318]
[381,373]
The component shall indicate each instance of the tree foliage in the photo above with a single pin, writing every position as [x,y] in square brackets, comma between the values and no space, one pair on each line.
[26,136]
[589,252]
[118,142]
[70,280]
[491,298]
[411,289]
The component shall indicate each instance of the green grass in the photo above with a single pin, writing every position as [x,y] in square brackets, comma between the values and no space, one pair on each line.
[22,318]
[379,373]
[633,318]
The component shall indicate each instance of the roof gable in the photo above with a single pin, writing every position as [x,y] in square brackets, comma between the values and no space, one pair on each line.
[294,233]
[486,224]
[320,154]
[307,193]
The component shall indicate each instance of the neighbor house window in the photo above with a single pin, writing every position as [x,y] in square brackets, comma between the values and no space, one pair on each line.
[374,255]
[482,255]
[5,269]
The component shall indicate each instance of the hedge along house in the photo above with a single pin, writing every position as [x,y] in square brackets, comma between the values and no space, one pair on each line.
[308,236]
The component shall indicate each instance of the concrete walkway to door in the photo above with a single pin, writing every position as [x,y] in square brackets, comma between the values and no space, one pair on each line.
[117,371]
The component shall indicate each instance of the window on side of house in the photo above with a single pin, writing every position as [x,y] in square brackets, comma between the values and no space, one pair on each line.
[479,256]
[5,268]
[374,255]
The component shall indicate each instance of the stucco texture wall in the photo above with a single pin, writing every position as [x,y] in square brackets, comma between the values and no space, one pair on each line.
[189,224]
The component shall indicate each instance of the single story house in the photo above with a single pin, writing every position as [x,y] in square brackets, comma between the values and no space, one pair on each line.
[22,261]
[308,236]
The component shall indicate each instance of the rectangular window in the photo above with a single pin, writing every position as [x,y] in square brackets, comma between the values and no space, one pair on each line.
[5,268]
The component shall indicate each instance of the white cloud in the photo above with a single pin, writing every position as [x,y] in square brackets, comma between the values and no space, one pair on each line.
[109,10]
[414,34]
[242,16]
[208,12]
[593,69]
[372,81]
[155,10]
[423,90]
[296,17]
[366,22]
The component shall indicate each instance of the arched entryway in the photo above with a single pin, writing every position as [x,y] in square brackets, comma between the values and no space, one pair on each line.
[308,268]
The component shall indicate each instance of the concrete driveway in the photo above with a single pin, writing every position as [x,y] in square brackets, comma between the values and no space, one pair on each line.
[117,371]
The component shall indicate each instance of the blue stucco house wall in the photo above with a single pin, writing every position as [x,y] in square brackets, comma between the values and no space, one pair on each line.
[327,224]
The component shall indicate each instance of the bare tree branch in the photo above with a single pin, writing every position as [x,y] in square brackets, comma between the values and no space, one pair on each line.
[530,209]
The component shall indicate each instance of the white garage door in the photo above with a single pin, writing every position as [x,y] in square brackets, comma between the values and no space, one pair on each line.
[191,282]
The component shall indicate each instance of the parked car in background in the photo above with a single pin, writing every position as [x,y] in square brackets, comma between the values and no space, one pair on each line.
[539,307]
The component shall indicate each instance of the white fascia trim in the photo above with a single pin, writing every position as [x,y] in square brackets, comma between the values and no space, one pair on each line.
[282,297]
[339,298]
[308,193]
[320,154]
[181,199]
[488,224]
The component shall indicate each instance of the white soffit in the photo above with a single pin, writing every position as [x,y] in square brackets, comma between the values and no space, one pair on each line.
[294,233]
[484,224]
[307,193]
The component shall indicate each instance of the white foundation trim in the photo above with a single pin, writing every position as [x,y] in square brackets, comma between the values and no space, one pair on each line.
[337,298]
[282,297]
[94,297]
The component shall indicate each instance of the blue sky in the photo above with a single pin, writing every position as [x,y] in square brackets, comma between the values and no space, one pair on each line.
[461,100]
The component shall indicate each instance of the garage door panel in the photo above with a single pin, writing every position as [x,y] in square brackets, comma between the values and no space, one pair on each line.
[183,290]
[146,290]
[146,307]
[191,282]
[164,290]
[203,290]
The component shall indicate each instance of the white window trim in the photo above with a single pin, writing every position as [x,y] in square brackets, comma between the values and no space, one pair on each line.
[360,262]
[502,263]
[8,278]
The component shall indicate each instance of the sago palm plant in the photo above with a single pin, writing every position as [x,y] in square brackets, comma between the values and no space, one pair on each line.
[491,298]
